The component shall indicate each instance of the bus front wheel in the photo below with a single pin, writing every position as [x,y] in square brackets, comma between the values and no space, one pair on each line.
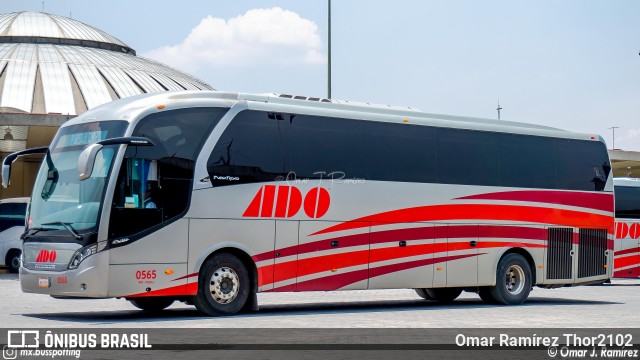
[441,295]
[224,286]
[513,282]
[13,261]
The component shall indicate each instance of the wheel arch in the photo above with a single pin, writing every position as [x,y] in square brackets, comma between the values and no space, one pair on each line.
[526,255]
[9,253]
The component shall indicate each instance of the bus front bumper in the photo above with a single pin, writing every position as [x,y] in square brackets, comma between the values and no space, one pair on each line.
[89,280]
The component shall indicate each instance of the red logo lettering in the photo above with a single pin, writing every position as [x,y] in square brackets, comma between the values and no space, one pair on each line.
[317,202]
[284,201]
[634,230]
[622,230]
[46,256]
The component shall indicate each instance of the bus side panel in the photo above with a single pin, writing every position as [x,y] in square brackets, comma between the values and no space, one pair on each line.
[627,249]
[462,255]
[155,265]
[148,279]
[409,248]
[329,262]
[256,238]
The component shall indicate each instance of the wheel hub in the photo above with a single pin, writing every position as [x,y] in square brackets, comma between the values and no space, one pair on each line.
[514,279]
[224,285]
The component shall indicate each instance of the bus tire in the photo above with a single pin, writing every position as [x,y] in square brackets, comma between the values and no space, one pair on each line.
[13,260]
[513,280]
[485,294]
[423,294]
[443,295]
[223,287]
[152,304]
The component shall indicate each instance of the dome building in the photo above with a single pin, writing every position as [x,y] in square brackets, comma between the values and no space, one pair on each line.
[53,68]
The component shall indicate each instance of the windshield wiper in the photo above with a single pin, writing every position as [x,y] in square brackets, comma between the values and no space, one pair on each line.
[35,231]
[68,227]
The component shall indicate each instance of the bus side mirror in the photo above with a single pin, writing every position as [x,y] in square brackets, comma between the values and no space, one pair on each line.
[86,160]
[8,161]
[88,156]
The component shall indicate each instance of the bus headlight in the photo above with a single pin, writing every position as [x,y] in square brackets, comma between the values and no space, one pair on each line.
[79,256]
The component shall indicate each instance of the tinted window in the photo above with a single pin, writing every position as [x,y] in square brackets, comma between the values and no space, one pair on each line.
[324,145]
[582,165]
[251,148]
[627,202]
[401,152]
[468,157]
[12,214]
[259,146]
[527,161]
[177,133]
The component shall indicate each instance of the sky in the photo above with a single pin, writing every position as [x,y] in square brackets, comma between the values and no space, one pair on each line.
[569,64]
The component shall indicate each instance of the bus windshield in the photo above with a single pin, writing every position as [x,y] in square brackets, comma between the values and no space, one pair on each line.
[60,201]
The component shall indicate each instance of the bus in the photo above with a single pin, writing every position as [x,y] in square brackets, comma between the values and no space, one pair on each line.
[627,245]
[281,193]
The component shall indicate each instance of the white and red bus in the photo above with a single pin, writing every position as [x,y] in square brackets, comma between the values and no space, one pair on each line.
[212,197]
[627,249]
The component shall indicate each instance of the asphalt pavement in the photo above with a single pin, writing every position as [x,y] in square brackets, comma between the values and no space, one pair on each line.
[603,306]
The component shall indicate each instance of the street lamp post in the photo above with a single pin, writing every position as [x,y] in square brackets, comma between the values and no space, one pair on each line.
[329,54]
[613,136]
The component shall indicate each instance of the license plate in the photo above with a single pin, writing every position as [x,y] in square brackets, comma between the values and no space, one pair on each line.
[44,282]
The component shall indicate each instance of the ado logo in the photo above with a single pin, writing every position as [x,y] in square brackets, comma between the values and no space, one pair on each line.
[285,201]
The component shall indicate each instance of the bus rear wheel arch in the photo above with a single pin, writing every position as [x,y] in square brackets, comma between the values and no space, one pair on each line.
[224,285]
[514,280]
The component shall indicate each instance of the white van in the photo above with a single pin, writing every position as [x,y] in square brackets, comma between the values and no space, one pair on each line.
[12,218]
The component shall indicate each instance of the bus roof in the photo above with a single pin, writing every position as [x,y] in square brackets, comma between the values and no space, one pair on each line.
[132,108]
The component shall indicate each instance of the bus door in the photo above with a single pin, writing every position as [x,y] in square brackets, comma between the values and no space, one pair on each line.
[285,265]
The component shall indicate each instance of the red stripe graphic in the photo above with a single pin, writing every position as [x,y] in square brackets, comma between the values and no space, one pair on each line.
[180,290]
[420,233]
[478,212]
[627,251]
[186,276]
[626,261]
[335,282]
[596,201]
[290,269]
[628,273]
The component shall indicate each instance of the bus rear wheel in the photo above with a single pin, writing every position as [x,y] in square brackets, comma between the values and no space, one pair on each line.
[513,282]
[152,304]
[224,286]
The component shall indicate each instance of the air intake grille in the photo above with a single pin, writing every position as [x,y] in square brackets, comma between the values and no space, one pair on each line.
[559,262]
[592,252]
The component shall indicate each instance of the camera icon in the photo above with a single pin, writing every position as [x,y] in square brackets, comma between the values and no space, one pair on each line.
[9,353]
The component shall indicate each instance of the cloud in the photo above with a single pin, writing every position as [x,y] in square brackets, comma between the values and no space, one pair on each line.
[260,36]
[633,134]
